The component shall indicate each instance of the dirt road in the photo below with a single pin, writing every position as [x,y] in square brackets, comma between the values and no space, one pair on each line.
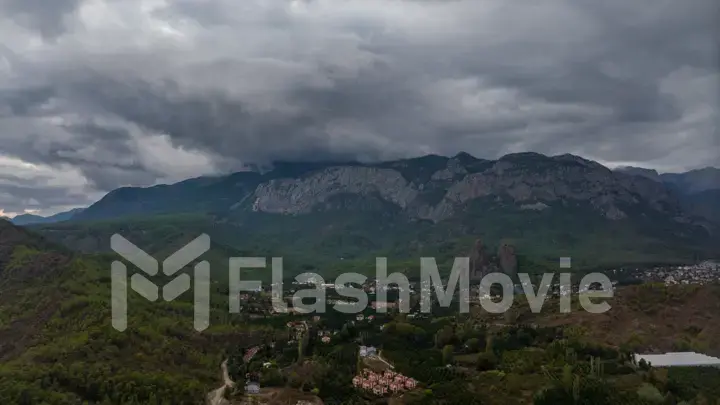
[217,397]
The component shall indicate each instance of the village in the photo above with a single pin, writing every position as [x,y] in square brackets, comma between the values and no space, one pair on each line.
[702,273]
[382,384]
[374,375]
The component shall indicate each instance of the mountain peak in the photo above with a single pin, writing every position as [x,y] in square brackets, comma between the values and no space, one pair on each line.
[465,158]
[639,171]
[30,219]
[694,181]
[568,157]
[523,155]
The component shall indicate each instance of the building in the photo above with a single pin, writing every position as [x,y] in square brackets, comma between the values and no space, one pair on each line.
[252,388]
[381,384]
[366,351]
[250,354]
[382,304]
[680,359]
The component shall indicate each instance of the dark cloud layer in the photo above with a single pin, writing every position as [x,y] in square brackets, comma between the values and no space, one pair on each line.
[46,17]
[142,91]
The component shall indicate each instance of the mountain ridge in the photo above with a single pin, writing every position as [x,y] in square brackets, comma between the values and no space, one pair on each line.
[281,190]
[694,181]
[424,205]
[30,219]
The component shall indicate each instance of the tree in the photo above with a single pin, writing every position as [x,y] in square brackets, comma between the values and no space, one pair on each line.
[302,346]
[511,316]
[651,394]
[272,378]
[473,345]
[486,361]
[572,389]
[344,333]
[444,336]
[447,354]
[489,344]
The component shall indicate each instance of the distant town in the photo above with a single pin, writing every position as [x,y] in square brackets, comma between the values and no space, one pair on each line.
[259,303]
[707,272]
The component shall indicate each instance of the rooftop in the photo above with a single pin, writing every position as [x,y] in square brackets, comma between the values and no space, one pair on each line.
[678,359]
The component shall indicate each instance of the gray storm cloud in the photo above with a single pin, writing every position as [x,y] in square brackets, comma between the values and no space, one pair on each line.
[142,91]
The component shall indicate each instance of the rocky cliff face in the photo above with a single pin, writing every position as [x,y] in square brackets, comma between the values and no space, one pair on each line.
[297,196]
[527,180]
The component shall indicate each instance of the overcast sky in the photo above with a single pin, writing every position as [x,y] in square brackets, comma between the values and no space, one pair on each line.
[97,94]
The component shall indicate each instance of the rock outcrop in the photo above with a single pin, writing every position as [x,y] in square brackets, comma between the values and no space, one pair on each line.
[482,264]
[639,171]
[508,260]
[479,261]
[297,196]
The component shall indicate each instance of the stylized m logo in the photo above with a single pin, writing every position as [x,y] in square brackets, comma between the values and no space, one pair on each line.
[171,290]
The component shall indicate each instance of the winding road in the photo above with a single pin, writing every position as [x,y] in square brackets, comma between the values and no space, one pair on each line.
[217,397]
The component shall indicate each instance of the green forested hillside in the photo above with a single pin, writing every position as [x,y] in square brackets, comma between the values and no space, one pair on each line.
[331,242]
[57,345]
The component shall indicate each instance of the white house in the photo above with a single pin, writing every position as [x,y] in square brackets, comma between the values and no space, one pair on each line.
[252,388]
[367,351]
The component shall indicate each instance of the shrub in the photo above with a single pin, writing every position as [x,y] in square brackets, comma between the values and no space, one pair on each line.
[487,362]
[649,393]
